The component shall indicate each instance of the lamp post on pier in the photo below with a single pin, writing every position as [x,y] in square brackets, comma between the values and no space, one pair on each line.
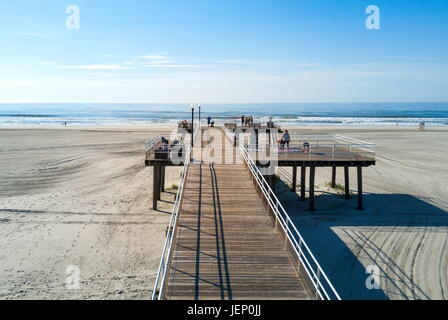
[192,125]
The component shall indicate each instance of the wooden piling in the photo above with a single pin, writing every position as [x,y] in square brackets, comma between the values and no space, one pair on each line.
[162,179]
[155,186]
[159,180]
[347,183]
[333,177]
[311,191]
[360,205]
[272,182]
[294,179]
[302,183]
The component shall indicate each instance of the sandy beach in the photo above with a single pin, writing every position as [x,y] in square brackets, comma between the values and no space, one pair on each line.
[79,197]
[404,227]
[82,197]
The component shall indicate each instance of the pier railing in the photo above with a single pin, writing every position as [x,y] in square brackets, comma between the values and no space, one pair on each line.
[151,144]
[159,285]
[230,135]
[319,147]
[315,275]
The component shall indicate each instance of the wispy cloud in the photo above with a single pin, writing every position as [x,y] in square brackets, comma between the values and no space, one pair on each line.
[157,62]
[155,57]
[100,67]
[49,62]
[181,66]
[34,35]
[164,61]
[102,74]
[28,34]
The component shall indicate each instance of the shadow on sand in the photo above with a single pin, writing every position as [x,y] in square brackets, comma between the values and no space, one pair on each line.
[345,240]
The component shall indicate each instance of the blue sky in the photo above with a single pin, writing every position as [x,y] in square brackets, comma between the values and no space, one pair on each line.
[223,51]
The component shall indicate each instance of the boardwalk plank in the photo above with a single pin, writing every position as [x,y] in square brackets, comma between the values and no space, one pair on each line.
[226,246]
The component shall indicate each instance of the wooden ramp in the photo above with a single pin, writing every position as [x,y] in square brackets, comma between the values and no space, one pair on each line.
[226,246]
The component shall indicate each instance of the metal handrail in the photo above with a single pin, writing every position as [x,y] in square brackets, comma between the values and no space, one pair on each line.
[152,143]
[351,140]
[158,294]
[229,134]
[315,273]
[329,152]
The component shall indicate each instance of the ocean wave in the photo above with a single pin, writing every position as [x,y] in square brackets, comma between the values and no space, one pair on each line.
[27,115]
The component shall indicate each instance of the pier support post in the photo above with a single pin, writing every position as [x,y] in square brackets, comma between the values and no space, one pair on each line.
[272,182]
[302,183]
[360,205]
[162,179]
[159,180]
[333,177]
[347,183]
[312,176]
[256,138]
[294,179]
[270,179]
[155,186]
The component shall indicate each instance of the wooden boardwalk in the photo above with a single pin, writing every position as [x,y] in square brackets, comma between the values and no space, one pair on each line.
[226,246]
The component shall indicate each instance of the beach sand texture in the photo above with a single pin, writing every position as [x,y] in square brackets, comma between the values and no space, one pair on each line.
[83,197]
[403,229]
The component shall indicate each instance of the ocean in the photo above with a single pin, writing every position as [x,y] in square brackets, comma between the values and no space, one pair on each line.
[285,114]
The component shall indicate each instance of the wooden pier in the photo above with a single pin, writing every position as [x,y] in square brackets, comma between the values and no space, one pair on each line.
[226,239]
[226,246]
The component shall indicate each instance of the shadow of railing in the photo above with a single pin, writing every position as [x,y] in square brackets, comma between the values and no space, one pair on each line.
[202,246]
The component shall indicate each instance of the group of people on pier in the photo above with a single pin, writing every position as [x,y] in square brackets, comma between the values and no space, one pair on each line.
[184,124]
[247,120]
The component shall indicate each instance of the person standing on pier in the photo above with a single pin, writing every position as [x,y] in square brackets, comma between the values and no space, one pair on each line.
[286,139]
[209,121]
[242,119]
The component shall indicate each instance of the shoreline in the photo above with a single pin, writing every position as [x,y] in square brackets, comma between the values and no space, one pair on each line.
[174,127]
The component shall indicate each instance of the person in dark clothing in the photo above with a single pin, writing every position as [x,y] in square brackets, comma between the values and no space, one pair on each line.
[286,139]
[243,118]
[209,121]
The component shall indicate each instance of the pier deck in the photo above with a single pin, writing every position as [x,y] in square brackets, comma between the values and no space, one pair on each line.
[229,237]
[226,246]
